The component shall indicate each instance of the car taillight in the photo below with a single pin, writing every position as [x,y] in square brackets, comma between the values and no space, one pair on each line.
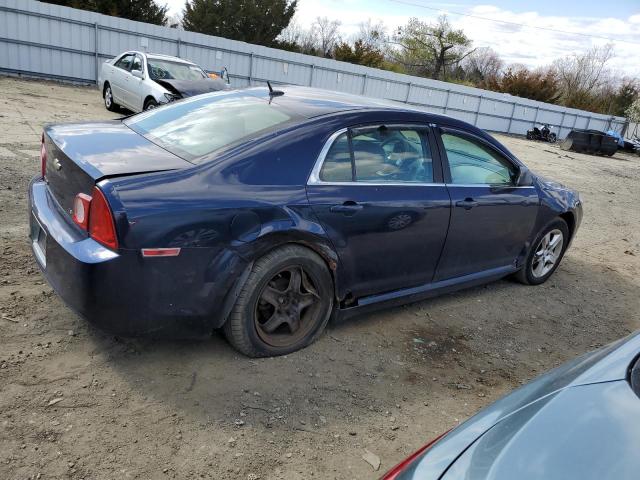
[81,206]
[396,471]
[92,214]
[43,157]
[101,226]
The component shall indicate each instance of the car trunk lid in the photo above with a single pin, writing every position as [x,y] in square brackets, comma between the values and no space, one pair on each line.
[79,155]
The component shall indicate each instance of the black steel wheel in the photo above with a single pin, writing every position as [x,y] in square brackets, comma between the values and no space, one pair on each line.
[284,305]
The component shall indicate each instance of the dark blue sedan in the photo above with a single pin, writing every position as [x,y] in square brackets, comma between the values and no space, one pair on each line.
[264,212]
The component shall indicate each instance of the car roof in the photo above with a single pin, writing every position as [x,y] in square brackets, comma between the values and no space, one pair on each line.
[168,57]
[310,102]
[313,102]
[159,56]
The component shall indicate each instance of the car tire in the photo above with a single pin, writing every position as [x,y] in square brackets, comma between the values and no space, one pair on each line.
[263,321]
[543,259]
[150,104]
[107,94]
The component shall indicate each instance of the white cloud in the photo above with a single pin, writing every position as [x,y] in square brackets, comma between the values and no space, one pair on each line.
[536,47]
[515,40]
[515,43]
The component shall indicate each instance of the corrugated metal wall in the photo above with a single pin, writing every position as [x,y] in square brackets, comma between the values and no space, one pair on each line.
[58,42]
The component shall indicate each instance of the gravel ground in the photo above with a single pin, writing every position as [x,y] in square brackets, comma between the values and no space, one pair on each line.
[77,403]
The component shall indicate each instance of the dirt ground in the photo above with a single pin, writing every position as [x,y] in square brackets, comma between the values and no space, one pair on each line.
[77,403]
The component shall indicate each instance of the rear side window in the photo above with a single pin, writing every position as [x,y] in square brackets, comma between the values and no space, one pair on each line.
[471,162]
[379,155]
[201,125]
[337,163]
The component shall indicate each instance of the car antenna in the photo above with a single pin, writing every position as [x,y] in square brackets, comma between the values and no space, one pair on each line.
[272,92]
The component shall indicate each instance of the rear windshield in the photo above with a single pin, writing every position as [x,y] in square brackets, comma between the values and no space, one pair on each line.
[201,125]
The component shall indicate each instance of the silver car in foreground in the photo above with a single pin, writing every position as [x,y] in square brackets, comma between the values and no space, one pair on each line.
[139,81]
[580,421]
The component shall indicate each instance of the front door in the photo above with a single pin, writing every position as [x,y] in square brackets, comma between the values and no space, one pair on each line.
[378,193]
[119,79]
[491,216]
[133,84]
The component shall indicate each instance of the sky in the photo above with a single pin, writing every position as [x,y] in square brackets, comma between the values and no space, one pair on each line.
[589,22]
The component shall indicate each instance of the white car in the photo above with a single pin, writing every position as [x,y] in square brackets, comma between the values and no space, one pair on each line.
[139,81]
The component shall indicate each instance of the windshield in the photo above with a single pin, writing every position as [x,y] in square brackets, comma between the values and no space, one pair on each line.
[201,125]
[167,70]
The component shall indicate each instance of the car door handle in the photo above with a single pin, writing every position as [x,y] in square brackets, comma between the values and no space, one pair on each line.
[467,203]
[347,208]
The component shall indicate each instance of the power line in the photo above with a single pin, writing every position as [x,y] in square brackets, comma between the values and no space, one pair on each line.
[405,2]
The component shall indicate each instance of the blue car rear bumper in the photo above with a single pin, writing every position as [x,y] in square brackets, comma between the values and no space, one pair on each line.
[122,292]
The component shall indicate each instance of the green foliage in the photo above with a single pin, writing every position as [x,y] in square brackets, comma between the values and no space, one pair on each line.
[624,97]
[253,21]
[359,53]
[584,100]
[633,111]
[147,11]
[430,49]
[519,81]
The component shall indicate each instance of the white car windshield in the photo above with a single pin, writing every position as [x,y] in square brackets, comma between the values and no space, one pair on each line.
[167,70]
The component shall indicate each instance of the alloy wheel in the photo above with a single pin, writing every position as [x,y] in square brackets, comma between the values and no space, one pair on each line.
[547,253]
[108,97]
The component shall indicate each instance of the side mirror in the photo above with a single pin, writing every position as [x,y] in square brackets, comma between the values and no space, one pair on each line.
[137,73]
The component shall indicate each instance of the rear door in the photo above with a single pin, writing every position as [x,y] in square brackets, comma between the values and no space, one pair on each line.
[378,192]
[491,216]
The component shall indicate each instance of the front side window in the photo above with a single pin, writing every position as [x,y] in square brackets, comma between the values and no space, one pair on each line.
[125,62]
[471,162]
[200,125]
[167,70]
[137,63]
[380,154]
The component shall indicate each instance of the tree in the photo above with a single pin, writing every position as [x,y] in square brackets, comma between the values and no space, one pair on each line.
[430,49]
[633,115]
[373,35]
[359,53]
[327,34]
[294,38]
[582,75]
[253,21]
[147,11]
[541,84]
[482,65]
[627,93]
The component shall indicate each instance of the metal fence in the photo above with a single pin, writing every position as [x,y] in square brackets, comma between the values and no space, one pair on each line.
[40,39]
